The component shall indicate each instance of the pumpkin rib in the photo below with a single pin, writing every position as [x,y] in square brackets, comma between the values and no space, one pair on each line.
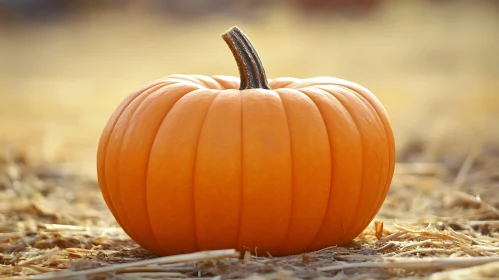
[293,185]
[227,82]
[311,166]
[388,130]
[369,96]
[334,176]
[218,173]
[208,82]
[391,160]
[355,227]
[346,230]
[378,107]
[106,136]
[117,205]
[181,79]
[133,163]
[266,171]
[330,181]
[102,148]
[378,111]
[379,191]
[196,235]
[282,82]
[186,79]
[381,112]
[168,231]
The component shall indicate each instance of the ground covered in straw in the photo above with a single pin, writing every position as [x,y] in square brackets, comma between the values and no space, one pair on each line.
[440,220]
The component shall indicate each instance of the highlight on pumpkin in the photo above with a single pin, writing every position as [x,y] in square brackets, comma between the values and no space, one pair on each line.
[280,166]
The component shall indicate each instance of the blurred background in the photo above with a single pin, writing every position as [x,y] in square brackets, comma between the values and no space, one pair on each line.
[66,65]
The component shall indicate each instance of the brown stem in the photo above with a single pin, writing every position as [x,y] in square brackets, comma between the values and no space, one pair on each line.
[250,66]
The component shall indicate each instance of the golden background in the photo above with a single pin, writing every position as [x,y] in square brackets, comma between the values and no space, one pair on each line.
[433,64]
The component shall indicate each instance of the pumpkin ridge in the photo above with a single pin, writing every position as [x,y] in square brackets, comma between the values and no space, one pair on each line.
[102,150]
[379,191]
[145,93]
[381,112]
[105,138]
[161,90]
[285,84]
[226,81]
[364,167]
[390,155]
[220,86]
[355,124]
[266,176]
[385,122]
[194,170]
[307,248]
[160,247]
[202,82]
[186,79]
[205,81]
[293,185]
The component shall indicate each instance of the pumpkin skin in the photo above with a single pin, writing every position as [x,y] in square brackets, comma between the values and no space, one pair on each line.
[190,163]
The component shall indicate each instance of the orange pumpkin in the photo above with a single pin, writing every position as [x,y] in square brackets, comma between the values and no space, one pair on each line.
[280,166]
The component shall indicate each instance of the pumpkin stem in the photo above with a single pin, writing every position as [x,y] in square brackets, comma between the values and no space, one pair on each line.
[250,66]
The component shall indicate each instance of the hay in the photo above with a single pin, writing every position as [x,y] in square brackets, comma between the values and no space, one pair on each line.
[434,223]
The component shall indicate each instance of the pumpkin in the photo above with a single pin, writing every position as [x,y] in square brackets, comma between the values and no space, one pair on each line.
[279,166]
